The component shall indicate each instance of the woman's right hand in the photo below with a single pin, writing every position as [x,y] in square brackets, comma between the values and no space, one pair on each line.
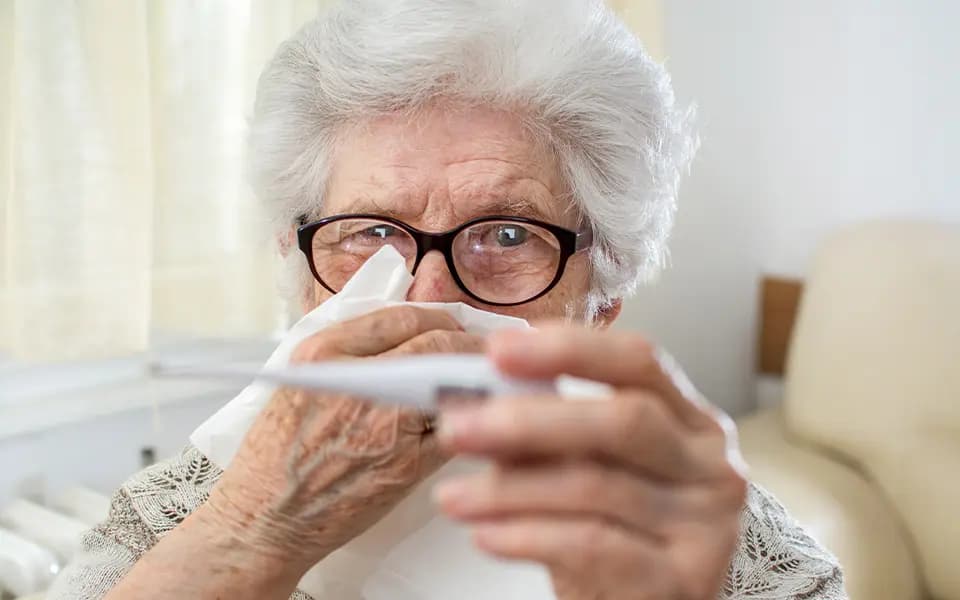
[318,469]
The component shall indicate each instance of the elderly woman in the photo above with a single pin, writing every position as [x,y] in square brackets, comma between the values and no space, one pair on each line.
[524,156]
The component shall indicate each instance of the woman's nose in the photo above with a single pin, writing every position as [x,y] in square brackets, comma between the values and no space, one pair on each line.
[433,281]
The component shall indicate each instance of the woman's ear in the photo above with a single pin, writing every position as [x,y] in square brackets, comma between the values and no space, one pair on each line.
[608,313]
[287,241]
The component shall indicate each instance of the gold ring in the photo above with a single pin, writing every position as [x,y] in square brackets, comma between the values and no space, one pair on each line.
[429,422]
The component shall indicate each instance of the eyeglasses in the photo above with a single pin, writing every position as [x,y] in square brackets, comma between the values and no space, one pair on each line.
[501,261]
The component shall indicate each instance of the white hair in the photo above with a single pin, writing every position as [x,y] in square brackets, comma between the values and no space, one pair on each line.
[578,79]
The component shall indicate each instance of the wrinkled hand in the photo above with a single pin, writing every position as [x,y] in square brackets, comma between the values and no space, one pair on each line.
[316,470]
[635,497]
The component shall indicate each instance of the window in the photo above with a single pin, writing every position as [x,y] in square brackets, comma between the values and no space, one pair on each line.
[124,216]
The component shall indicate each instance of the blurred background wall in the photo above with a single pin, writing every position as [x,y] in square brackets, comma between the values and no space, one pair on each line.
[812,115]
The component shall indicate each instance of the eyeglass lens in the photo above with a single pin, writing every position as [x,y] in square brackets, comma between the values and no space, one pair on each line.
[497,261]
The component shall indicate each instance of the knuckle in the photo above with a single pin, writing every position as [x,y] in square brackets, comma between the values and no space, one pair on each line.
[433,341]
[302,352]
[416,345]
[629,415]
[642,349]
[593,540]
[717,422]
[642,346]
[714,426]
[312,349]
[588,486]
[735,486]
[439,340]
[409,318]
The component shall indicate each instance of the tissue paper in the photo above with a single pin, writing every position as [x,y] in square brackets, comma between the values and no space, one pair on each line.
[410,554]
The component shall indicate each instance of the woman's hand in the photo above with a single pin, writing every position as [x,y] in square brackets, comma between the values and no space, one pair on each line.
[316,470]
[636,497]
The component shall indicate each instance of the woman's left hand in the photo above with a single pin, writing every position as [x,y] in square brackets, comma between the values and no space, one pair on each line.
[636,497]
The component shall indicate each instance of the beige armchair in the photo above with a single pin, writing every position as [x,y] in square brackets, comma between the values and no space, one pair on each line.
[865,450]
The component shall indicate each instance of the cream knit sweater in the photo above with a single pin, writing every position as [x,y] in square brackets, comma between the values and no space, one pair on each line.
[775,559]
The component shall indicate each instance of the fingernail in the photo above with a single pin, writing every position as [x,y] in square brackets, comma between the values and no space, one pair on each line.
[455,423]
[449,494]
[484,535]
[514,340]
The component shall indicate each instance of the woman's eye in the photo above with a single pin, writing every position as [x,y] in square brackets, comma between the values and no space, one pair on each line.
[511,235]
[379,231]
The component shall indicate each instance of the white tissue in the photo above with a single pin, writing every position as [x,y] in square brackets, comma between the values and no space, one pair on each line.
[411,554]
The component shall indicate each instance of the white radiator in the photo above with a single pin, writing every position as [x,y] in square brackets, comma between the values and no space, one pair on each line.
[36,540]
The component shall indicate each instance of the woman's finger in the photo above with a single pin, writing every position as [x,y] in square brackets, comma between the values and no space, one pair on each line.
[440,341]
[373,333]
[632,429]
[582,547]
[622,359]
[572,489]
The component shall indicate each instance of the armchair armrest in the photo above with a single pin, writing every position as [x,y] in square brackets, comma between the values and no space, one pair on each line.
[836,505]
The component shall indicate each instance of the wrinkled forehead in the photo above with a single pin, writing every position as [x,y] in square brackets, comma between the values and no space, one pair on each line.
[441,167]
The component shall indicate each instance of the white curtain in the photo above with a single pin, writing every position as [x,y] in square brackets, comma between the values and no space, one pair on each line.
[124,217]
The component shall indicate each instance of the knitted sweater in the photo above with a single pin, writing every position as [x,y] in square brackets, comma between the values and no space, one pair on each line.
[775,558]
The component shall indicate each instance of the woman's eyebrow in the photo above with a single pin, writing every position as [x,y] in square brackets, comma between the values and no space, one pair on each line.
[511,206]
[361,205]
[508,206]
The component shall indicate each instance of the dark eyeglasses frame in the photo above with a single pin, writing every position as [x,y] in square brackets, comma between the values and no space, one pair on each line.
[570,241]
